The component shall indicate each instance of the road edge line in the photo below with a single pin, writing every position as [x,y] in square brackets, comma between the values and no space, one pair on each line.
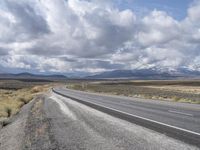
[185,135]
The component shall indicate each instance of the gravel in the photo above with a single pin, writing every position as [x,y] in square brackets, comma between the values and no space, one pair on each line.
[11,135]
[87,128]
[51,122]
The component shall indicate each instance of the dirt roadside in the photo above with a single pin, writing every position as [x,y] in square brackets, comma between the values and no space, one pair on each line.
[29,129]
[11,135]
[38,134]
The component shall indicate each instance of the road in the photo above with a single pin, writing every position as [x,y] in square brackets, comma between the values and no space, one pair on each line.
[76,126]
[55,122]
[178,120]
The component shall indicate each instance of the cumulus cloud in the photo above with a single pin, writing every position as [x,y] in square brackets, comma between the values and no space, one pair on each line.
[158,28]
[82,35]
[20,21]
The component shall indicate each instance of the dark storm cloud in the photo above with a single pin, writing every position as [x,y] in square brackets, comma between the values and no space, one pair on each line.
[27,22]
[3,51]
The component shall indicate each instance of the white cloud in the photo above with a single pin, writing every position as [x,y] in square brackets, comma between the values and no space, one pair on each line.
[78,35]
[158,28]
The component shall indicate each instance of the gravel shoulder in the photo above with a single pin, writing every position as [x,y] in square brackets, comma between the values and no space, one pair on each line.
[37,130]
[11,136]
[76,126]
[29,129]
[51,122]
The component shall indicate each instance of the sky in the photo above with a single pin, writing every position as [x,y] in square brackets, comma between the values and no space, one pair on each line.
[78,36]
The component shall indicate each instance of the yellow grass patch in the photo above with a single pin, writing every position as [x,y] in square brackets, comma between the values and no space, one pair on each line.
[12,100]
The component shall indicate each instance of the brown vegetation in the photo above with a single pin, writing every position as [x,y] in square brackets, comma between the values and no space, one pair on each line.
[180,91]
[14,94]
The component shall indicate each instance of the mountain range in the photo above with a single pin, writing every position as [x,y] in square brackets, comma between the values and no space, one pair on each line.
[26,75]
[115,74]
[146,74]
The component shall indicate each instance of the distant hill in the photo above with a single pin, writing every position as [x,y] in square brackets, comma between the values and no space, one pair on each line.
[145,74]
[27,76]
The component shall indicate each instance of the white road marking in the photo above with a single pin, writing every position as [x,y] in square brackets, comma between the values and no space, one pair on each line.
[181,113]
[196,133]
[64,107]
[167,125]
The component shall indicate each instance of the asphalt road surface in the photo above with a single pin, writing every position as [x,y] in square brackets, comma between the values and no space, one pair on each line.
[54,122]
[77,126]
[179,120]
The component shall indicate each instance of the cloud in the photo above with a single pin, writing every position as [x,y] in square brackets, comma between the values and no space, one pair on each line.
[20,21]
[158,28]
[82,35]
[3,51]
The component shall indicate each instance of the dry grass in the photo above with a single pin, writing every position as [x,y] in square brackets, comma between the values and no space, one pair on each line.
[17,84]
[179,88]
[179,91]
[11,100]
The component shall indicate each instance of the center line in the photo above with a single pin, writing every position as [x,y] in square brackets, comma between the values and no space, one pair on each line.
[182,113]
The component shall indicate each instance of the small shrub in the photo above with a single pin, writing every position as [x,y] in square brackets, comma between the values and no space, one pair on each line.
[21,99]
[25,99]
[176,98]
[8,111]
[36,89]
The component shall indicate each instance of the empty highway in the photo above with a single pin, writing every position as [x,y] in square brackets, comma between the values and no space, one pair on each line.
[179,120]
[65,119]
